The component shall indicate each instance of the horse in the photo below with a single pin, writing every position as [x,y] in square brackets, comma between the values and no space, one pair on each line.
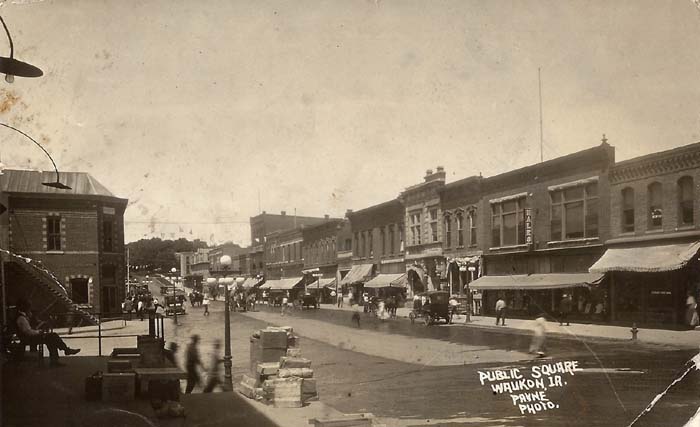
[196,298]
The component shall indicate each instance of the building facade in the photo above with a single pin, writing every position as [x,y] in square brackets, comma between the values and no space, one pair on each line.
[76,234]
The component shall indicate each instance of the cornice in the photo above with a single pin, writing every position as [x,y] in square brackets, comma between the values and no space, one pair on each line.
[653,167]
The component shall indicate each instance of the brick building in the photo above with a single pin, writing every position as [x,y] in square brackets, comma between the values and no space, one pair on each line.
[424,261]
[77,235]
[540,228]
[651,258]
[377,245]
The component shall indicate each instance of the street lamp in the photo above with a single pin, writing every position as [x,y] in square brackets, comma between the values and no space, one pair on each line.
[172,280]
[12,67]
[225,262]
[469,296]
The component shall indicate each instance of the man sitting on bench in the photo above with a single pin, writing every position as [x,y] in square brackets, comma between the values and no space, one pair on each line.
[31,336]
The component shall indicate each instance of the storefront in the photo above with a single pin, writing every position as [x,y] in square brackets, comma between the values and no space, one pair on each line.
[529,295]
[385,285]
[650,284]
[356,278]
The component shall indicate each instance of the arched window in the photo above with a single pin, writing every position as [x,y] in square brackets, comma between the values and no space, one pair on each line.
[656,213]
[627,210]
[472,228]
[686,200]
[460,230]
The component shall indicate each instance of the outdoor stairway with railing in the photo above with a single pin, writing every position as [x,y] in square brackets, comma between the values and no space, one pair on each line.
[46,281]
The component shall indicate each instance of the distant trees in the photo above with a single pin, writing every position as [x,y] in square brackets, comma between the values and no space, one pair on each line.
[158,255]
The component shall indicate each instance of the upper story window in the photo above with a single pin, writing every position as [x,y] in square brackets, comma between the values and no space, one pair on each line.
[357,244]
[433,225]
[508,222]
[401,238]
[460,230]
[574,212]
[107,236]
[656,212]
[363,243]
[448,231]
[348,244]
[414,228]
[53,233]
[370,237]
[472,228]
[627,210]
[392,246]
[382,239]
[686,200]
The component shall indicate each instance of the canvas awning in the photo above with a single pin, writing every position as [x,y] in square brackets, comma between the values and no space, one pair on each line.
[358,273]
[650,259]
[536,281]
[283,284]
[250,282]
[322,283]
[388,281]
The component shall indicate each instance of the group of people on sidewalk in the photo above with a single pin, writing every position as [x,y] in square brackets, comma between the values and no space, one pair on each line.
[193,362]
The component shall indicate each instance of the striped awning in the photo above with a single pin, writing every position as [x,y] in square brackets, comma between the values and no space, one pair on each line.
[357,274]
[250,282]
[282,284]
[649,259]
[388,281]
[322,283]
[536,281]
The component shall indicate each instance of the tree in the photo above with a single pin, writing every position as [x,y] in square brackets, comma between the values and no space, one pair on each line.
[159,255]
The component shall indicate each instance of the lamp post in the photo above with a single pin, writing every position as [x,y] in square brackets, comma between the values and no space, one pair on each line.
[469,299]
[172,280]
[225,262]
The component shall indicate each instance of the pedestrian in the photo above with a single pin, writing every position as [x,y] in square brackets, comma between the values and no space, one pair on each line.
[139,309]
[454,304]
[205,303]
[191,364]
[340,299]
[365,302]
[213,375]
[285,300]
[690,311]
[169,353]
[501,311]
[564,309]
[539,336]
[381,311]
[128,307]
[35,337]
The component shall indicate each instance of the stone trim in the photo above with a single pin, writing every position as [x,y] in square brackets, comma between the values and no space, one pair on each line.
[654,167]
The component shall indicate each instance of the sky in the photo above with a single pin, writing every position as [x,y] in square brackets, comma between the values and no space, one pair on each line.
[204,113]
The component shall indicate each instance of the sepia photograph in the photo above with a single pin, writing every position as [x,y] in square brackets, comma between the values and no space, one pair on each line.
[350,213]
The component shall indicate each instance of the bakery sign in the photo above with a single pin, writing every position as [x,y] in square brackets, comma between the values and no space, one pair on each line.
[528,226]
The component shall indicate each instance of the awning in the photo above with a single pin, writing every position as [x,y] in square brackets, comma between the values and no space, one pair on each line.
[283,284]
[358,273]
[650,259]
[329,282]
[388,281]
[250,282]
[536,281]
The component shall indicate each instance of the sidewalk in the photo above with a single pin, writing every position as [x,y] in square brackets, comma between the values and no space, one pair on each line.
[682,339]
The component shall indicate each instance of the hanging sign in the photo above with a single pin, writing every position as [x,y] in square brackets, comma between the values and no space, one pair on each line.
[528,226]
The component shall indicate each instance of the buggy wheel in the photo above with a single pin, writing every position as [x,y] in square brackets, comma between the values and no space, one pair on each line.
[412,316]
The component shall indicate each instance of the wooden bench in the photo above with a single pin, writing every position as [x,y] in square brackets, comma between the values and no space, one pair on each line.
[17,348]
[144,376]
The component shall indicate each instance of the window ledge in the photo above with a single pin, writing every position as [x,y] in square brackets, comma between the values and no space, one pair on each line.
[655,231]
[685,228]
[55,252]
[581,240]
[498,248]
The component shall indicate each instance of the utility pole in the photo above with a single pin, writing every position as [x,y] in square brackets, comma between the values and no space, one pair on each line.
[539,80]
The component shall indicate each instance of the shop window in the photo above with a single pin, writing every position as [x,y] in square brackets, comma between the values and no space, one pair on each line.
[53,233]
[448,231]
[574,212]
[627,210]
[656,213]
[508,222]
[686,201]
[460,230]
[472,228]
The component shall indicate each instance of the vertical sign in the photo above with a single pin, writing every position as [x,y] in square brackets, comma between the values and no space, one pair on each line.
[528,227]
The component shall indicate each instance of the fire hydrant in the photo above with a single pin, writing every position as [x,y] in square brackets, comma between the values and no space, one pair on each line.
[634,331]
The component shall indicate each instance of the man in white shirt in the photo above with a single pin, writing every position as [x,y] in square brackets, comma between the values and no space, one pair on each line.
[205,303]
[501,311]
[33,336]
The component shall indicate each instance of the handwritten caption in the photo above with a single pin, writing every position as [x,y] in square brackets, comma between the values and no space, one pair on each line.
[527,388]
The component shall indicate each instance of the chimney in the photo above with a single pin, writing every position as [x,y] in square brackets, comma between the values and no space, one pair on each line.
[326,216]
[439,174]
[283,213]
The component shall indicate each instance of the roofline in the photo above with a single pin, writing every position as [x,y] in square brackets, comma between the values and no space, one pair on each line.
[658,154]
[379,206]
[115,199]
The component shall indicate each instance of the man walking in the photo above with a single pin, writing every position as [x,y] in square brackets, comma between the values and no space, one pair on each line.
[205,303]
[213,376]
[191,363]
[501,311]
[564,309]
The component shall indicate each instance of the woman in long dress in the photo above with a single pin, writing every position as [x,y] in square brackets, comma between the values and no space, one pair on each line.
[382,313]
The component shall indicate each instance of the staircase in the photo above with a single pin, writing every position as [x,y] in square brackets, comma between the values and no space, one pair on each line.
[45,280]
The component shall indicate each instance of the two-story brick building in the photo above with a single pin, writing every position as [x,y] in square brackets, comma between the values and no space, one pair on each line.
[320,248]
[651,260]
[541,227]
[76,234]
[378,248]
[424,261]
